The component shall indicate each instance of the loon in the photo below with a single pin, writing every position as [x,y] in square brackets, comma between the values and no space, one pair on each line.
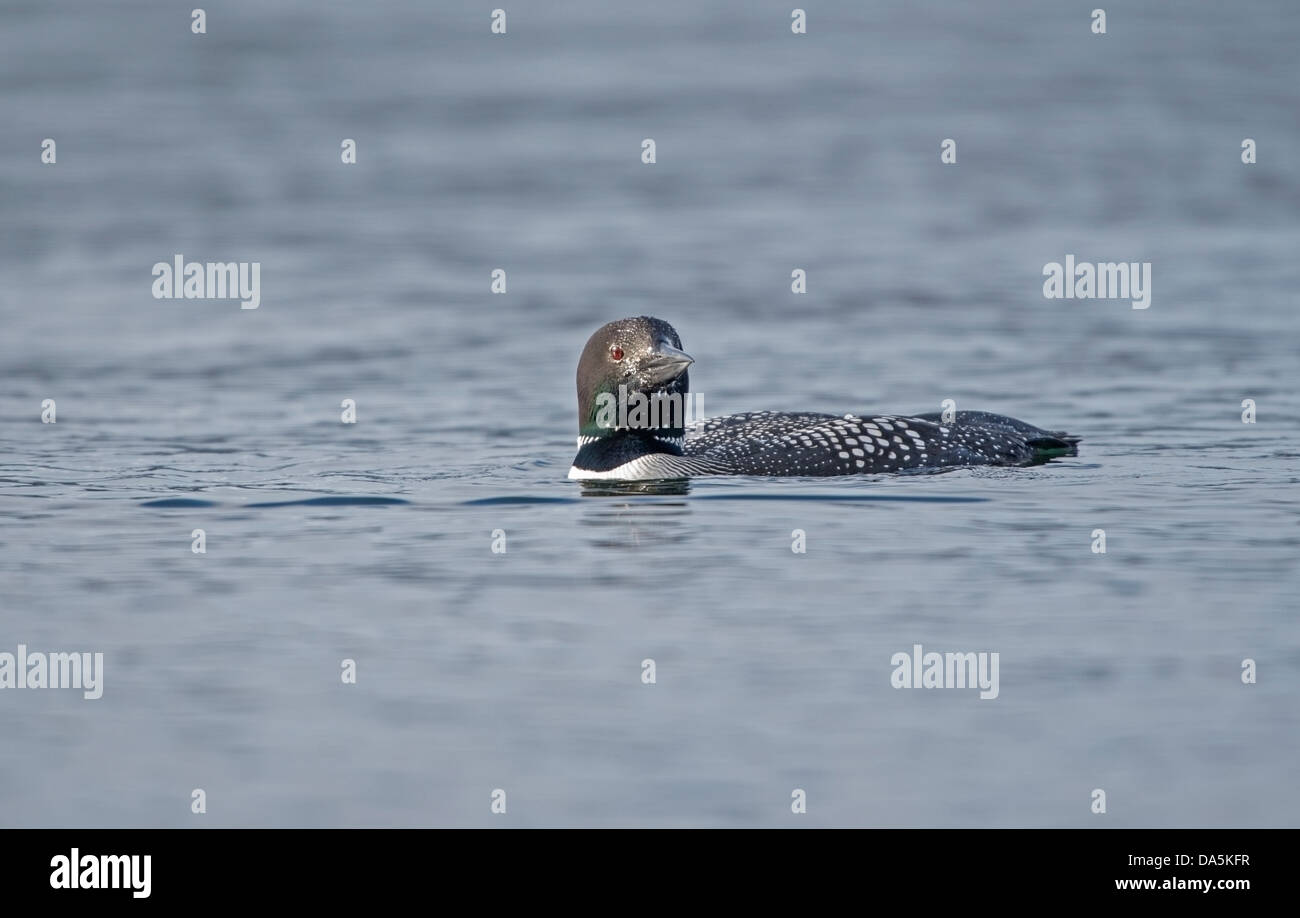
[639,360]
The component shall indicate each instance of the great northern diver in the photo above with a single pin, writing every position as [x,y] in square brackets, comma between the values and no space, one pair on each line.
[639,362]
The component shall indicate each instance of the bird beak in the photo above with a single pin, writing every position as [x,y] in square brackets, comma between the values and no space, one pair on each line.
[666,363]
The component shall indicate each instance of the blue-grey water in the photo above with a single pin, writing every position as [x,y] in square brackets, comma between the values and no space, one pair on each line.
[522,670]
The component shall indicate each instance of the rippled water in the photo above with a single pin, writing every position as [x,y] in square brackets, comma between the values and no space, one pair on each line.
[522,670]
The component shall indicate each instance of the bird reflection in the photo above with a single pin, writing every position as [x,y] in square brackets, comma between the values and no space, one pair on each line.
[634,524]
[666,486]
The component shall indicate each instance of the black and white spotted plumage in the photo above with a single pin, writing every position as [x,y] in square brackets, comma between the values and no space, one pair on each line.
[796,444]
[775,443]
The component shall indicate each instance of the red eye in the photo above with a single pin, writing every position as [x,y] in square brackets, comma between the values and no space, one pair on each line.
[616,353]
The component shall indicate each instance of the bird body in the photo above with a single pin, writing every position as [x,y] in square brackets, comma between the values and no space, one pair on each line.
[643,356]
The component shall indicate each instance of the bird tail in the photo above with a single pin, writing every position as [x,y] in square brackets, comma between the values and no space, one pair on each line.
[1056,444]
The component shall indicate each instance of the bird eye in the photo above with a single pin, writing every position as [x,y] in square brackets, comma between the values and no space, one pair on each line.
[616,353]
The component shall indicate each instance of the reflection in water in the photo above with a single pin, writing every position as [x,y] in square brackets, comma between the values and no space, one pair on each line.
[624,524]
[672,486]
